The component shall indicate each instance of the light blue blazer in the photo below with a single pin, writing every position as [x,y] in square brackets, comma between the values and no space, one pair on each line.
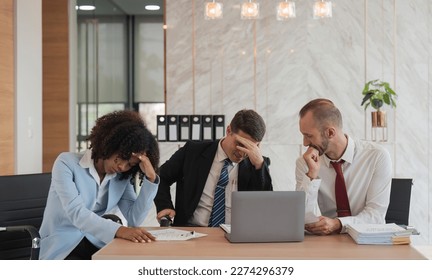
[68,216]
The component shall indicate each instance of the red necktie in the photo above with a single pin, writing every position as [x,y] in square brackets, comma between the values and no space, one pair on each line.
[342,203]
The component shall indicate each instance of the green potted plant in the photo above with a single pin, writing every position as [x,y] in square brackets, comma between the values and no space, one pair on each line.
[377,93]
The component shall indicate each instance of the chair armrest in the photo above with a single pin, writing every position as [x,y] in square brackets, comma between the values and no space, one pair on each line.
[34,233]
[113,218]
[35,238]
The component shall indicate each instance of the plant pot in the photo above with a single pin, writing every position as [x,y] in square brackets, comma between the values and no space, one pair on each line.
[379,119]
[379,126]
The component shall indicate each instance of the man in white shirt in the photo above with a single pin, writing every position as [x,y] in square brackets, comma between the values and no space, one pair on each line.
[366,170]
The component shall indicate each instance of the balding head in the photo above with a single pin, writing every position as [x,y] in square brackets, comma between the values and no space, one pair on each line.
[324,113]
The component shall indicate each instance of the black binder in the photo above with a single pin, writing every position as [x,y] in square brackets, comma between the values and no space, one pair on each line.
[196,127]
[185,127]
[161,123]
[173,128]
[207,127]
[218,126]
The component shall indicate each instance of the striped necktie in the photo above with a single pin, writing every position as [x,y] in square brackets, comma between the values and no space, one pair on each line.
[217,216]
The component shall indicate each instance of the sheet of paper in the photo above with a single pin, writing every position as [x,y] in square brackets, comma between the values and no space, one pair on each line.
[379,234]
[379,229]
[226,227]
[171,234]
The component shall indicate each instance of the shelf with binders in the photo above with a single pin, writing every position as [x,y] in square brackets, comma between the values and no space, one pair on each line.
[181,128]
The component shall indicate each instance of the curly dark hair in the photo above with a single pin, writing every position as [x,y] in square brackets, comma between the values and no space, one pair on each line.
[123,133]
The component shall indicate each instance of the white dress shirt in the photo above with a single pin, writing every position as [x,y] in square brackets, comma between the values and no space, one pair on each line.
[101,187]
[367,171]
[202,213]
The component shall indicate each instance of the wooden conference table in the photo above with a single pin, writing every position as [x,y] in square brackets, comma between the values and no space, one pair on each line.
[215,246]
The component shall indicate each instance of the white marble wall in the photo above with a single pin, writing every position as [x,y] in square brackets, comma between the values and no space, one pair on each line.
[221,66]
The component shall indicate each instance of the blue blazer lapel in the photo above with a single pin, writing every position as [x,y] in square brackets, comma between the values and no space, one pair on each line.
[115,191]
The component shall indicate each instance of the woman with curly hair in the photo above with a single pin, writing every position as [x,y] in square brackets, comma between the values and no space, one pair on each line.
[85,187]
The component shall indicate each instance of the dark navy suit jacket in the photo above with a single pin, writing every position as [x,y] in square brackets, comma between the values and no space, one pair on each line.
[189,168]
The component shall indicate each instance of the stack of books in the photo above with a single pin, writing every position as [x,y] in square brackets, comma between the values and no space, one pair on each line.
[381,234]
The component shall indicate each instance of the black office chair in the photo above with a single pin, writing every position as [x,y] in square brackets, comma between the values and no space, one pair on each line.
[400,198]
[22,203]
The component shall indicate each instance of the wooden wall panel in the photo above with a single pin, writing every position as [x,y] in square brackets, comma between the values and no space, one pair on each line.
[7,88]
[55,48]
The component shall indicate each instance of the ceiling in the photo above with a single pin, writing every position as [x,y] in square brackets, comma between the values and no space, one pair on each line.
[120,7]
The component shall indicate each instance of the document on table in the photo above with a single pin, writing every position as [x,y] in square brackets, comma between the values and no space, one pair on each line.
[171,234]
[379,234]
[226,227]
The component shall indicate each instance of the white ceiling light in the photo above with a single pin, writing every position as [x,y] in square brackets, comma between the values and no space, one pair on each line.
[86,8]
[152,7]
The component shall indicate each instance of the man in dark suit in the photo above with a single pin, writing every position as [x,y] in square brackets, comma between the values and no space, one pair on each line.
[196,168]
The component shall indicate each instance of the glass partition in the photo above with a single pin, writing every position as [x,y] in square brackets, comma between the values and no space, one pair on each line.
[120,65]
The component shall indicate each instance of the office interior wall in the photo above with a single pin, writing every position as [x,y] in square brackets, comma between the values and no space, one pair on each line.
[28,86]
[7,87]
[21,121]
[149,57]
[55,80]
[73,74]
[221,66]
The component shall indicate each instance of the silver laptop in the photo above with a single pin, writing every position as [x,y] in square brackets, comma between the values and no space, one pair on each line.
[267,216]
